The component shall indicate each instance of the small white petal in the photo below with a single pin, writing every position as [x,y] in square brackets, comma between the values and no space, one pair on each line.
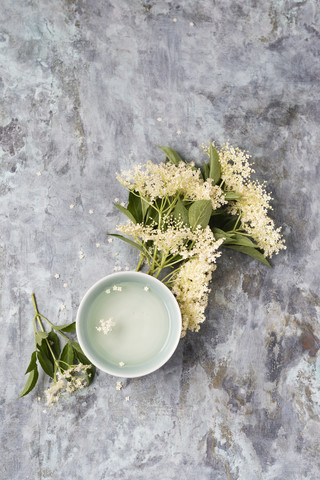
[57,275]
[159,119]
[110,240]
[39,174]
[191,24]
[174,20]
[97,245]
[71,206]
[65,285]
[91,212]
[127,399]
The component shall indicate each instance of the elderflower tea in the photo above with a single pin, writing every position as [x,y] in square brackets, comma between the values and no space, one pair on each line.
[129,324]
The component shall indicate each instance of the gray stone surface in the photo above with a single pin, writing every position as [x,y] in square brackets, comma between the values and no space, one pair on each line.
[82,86]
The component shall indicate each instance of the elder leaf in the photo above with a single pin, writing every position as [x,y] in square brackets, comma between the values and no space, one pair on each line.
[214,166]
[200,213]
[31,382]
[127,240]
[67,356]
[33,363]
[126,212]
[68,327]
[46,363]
[172,155]
[252,252]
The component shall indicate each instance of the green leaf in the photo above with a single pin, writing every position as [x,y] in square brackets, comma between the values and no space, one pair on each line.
[238,239]
[46,363]
[206,170]
[127,240]
[67,356]
[76,346]
[152,216]
[30,383]
[40,336]
[126,212]
[200,213]
[68,327]
[83,359]
[253,252]
[215,168]
[172,155]
[144,207]
[54,343]
[33,363]
[180,212]
[135,207]
[229,196]
[218,233]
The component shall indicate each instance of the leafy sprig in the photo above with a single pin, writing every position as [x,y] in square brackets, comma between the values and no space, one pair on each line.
[48,354]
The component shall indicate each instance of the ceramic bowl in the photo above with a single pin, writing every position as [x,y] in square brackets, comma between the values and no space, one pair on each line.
[145,335]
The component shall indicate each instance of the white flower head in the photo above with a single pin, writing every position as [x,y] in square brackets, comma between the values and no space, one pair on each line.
[75,378]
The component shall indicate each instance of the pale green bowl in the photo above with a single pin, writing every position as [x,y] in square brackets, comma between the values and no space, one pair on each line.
[150,364]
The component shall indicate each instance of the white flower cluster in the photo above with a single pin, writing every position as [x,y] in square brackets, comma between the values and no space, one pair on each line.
[191,282]
[106,326]
[67,382]
[175,238]
[166,180]
[254,202]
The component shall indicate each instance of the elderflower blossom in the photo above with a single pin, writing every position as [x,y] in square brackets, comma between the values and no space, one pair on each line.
[75,378]
[254,202]
[191,283]
[173,238]
[165,180]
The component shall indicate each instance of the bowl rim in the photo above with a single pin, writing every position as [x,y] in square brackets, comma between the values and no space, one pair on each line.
[177,318]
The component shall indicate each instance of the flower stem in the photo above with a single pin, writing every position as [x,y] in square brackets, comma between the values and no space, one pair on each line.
[140,262]
[38,316]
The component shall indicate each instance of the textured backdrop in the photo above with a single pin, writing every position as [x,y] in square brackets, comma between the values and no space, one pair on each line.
[88,88]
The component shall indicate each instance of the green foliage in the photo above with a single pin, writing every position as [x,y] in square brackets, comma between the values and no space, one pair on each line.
[48,352]
[126,212]
[172,155]
[200,213]
[31,382]
[252,252]
[127,240]
[180,213]
[214,166]
[134,207]
[69,327]
[67,356]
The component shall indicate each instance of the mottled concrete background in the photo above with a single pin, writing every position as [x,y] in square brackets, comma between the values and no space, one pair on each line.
[84,85]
